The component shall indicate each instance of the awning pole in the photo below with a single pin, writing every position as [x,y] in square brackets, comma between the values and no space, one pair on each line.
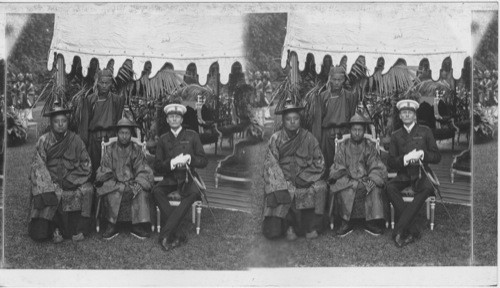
[60,77]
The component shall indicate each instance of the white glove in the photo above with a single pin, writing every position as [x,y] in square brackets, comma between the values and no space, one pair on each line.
[412,155]
[175,161]
[420,154]
[186,159]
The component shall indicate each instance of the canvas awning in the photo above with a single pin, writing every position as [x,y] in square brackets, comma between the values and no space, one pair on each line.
[412,31]
[2,35]
[180,39]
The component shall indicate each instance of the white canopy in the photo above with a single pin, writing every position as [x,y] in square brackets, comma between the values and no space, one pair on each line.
[2,36]
[412,31]
[160,38]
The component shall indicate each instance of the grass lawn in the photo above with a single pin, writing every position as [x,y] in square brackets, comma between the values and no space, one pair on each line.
[485,203]
[241,245]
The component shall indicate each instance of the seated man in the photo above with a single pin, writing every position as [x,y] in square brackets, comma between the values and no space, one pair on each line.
[410,146]
[294,192]
[124,181]
[61,196]
[176,150]
[359,176]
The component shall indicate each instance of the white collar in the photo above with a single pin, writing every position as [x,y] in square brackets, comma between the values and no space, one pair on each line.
[408,129]
[176,133]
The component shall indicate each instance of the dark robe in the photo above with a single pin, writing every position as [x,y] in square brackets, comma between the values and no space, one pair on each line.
[120,168]
[353,166]
[293,168]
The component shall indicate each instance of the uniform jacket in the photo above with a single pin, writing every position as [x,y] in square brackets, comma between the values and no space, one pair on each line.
[168,147]
[402,142]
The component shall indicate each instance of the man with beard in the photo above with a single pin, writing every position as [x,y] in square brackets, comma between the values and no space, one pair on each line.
[410,145]
[176,150]
[294,192]
[61,195]
[333,109]
[359,176]
[100,112]
[124,181]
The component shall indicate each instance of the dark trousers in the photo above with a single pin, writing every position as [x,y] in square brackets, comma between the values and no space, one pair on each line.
[172,216]
[407,211]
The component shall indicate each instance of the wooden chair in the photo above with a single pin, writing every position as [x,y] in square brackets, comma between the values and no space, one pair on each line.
[104,146]
[175,200]
[235,167]
[337,143]
[461,164]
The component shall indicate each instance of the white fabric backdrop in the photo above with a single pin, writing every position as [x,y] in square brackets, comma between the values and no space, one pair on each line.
[179,39]
[404,30]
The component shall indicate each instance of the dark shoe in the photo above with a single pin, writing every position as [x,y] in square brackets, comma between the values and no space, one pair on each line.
[373,228]
[165,246]
[78,237]
[139,232]
[57,237]
[111,232]
[410,239]
[345,229]
[290,234]
[399,240]
[312,235]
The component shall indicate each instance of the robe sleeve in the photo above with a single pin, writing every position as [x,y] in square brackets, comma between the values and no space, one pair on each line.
[39,176]
[198,159]
[83,168]
[319,110]
[274,179]
[105,171]
[85,116]
[339,171]
[143,173]
[377,172]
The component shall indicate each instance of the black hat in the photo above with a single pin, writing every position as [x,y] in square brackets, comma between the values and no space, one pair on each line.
[125,122]
[358,119]
[289,107]
[56,110]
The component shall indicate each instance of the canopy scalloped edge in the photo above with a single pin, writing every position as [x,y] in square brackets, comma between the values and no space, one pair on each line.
[202,65]
[435,60]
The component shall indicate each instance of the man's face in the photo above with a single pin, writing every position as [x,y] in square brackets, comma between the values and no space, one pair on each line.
[124,135]
[336,81]
[291,121]
[104,85]
[407,116]
[357,132]
[59,123]
[174,120]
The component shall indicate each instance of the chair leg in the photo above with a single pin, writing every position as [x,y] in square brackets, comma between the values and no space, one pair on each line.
[452,176]
[216,181]
[193,212]
[392,216]
[198,219]
[433,209]
[428,208]
[97,215]
[158,223]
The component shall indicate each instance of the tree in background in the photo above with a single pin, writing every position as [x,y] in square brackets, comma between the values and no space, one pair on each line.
[264,37]
[30,52]
[487,51]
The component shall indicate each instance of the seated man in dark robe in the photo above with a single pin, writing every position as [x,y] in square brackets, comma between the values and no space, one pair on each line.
[359,176]
[61,196]
[294,192]
[124,180]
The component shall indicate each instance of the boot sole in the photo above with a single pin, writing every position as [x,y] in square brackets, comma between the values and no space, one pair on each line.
[138,236]
[111,237]
[345,234]
[372,233]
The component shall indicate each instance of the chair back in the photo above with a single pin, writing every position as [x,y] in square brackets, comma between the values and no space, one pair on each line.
[104,145]
[375,140]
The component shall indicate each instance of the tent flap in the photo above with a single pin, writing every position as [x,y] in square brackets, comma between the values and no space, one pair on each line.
[177,39]
[409,31]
